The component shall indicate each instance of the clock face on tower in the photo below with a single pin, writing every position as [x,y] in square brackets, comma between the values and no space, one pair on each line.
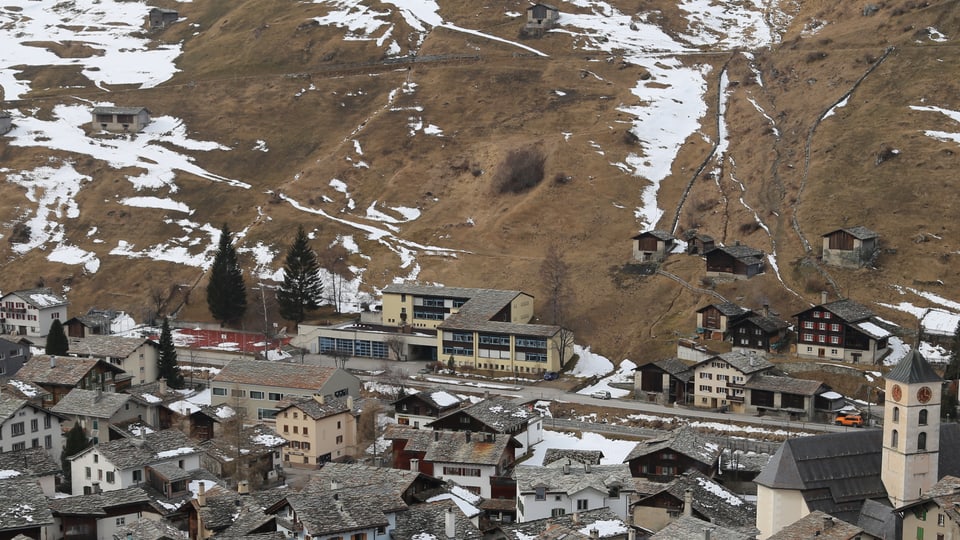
[897,392]
[924,394]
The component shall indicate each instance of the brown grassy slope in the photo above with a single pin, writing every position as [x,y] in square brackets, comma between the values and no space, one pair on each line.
[242,72]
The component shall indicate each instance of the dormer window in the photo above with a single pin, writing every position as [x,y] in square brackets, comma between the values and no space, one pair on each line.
[541,494]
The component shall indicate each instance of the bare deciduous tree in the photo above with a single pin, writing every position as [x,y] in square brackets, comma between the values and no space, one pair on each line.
[335,260]
[396,344]
[563,345]
[340,358]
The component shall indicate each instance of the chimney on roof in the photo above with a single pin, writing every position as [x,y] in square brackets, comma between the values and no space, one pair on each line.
[486,394]
[468,435]
[827,522]
[594,533]
[334,485]
[436,435]
[349,402]
[162,386]
[243,487]
[631,534]
[576,518]
[415,465]
[202,494]
[98,395]
[53,361]
[319,398]
[566,468]
[706,533]
[823,297]
[586,468]
[450,523]
[736,242]
[766,309]
[688,502]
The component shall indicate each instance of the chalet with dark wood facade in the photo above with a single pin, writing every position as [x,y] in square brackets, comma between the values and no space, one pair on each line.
[759,333]
[851,247]
[843,331]
[737,262]
[714,320]
[496,415]
[542,16]
[783,396]
[673,454]
[692,494]
[419,409]
[653,246]
[664,381]
[160,17]
[58,375]
[699,244]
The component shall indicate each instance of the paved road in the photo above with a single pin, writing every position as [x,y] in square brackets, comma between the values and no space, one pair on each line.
[559,396]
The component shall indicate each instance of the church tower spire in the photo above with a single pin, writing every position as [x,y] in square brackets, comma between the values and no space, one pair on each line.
[911,429]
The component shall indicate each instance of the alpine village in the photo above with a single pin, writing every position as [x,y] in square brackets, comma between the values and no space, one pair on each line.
[496,270]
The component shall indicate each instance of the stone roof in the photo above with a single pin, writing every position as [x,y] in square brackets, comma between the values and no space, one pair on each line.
[658,234]
[742,253]
[453,446]
[97,504]
[499,414]
[139,452]
[429,520]
[713,501]
[149,529]
[98,346]
[41,298]
[316,410]
[787,385]
[581,522]
[683,440]
[945,494]
[675,367]
[357,475]
[573,478]
[848,310]
[913,368]
[592,457]
[430,397]
[687,527]
[743,362]
[859,232]
[22,504]
[768,324]
[275,374]
[9,406]
[119,110]
[728,309]
[66,370]
[29,462]
[256,440]
[818,524]
[91,403]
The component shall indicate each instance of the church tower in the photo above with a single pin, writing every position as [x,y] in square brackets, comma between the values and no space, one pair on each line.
[911,429]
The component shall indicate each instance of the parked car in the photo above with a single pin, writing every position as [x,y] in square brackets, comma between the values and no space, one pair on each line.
[601,394]
[551,376]
[854,420]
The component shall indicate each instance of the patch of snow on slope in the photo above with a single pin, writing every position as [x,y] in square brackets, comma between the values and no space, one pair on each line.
[590,364]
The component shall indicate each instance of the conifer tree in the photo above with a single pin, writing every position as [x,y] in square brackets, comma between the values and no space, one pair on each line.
[76,441]
[167,365]
[226,293]
[302,289]
[57,343]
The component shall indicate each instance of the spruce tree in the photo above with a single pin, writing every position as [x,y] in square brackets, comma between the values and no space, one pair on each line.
[167,362]
[226,293]
[302,289]
[76,441]
[57,343]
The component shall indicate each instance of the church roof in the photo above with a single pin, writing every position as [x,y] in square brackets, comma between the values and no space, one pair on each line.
[838,472]
[913,368]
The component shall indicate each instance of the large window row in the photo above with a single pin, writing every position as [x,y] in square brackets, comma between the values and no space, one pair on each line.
[428,315]
[458,351]
[531,343]
[487,339]
[360,347]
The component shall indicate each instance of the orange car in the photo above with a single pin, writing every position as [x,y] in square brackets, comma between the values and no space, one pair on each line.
[854,420]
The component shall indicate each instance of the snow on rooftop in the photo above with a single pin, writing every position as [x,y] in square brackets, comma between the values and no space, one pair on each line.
[176,452]
[873,330]
[8,473]
[25,388]
[614,450]
[719,491]
[444,399]
[606,528]
[266,439]
[466,507]
[225,411]
[150,398]
[831,395]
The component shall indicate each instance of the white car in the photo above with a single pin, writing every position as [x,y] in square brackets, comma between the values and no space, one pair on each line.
[601,394]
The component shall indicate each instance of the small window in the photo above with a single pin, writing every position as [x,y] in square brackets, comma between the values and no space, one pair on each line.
[305,430]
[219,391]
[896,414]
[110,477]
[923,417]
[121,521]
[582,504]
[557,512]
[922,441]
[541,494]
